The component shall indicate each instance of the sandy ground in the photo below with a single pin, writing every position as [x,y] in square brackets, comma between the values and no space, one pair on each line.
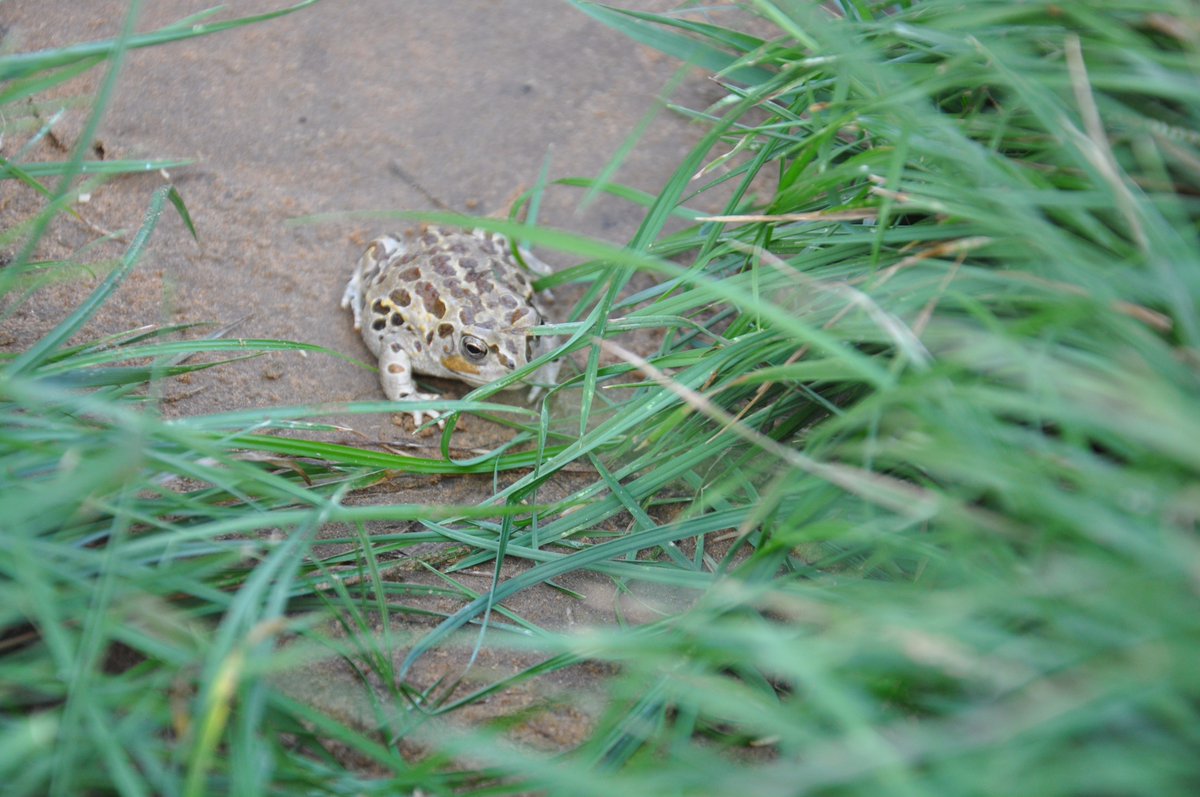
[349,105]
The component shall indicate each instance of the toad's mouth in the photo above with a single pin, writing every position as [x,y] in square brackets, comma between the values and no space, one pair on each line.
[458,365]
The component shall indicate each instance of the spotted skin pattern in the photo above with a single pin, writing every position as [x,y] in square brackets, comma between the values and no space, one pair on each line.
[446,302]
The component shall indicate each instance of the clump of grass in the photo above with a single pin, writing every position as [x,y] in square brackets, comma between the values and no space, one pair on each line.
[940,388]
[918,442]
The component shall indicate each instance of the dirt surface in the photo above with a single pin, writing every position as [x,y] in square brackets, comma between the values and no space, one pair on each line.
[345,106]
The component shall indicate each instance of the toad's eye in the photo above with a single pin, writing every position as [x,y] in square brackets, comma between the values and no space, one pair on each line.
[473,348]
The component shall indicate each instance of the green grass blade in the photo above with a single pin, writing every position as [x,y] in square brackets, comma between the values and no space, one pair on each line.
[22,64]
[40,351]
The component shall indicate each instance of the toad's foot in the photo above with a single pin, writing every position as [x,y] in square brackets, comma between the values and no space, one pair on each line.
[418,416]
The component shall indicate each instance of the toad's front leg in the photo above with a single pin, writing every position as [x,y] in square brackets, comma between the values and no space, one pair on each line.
[396,376]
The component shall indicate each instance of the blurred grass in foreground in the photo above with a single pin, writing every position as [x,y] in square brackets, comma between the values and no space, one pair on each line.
[921,440]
